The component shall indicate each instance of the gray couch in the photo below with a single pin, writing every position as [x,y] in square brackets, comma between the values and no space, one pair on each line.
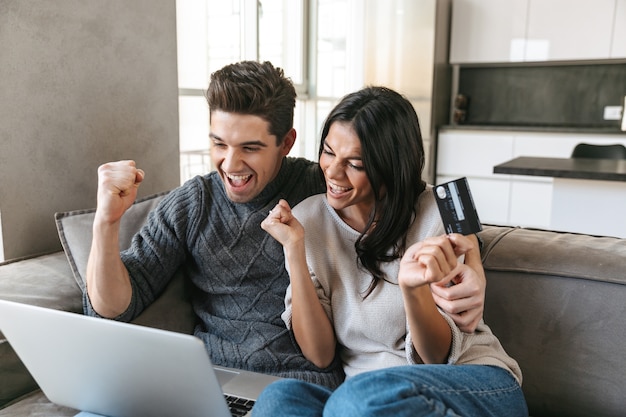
[557,302]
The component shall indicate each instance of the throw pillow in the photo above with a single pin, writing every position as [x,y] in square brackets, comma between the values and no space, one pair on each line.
[75,232]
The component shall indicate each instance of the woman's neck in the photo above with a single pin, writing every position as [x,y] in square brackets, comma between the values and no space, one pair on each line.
[356,217]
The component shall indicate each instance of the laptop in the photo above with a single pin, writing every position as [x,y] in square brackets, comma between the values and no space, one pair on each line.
[119,369]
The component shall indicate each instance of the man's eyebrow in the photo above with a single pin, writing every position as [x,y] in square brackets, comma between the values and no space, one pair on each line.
[254,143]
[247,143]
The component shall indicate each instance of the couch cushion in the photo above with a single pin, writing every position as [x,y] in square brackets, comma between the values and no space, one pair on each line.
[75,231]
[35,403]
[172,310]
[44,281]
[557,303]
[543,251]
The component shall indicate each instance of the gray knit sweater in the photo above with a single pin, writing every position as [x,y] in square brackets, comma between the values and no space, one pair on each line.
[236,270]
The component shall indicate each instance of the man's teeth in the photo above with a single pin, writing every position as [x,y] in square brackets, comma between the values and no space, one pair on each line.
[238,179]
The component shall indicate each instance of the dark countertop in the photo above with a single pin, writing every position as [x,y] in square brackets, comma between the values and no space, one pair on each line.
[577,168]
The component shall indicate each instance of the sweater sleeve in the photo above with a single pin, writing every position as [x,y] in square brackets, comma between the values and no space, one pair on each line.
[158,250]
[161,247]
[322,296]
[455,348]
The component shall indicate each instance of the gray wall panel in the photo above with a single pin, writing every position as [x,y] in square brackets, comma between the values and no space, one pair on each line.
[82,82]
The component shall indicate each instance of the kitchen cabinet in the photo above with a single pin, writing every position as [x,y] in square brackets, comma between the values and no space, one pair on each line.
[487,30]
[530,201]
[514,200]
[602,208]
[563,30]
[536,30]
[588,194]
[618,45]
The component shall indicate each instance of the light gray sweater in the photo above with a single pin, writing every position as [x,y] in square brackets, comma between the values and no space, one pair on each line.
[373,332]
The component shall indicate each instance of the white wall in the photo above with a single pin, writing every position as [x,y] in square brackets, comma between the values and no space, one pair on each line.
[82,82]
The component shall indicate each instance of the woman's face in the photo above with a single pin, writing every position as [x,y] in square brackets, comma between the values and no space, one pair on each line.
[348,190]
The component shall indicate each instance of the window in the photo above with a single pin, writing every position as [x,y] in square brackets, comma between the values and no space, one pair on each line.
[214,33]
[327,47]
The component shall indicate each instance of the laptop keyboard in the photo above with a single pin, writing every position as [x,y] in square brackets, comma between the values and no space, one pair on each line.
[238,406]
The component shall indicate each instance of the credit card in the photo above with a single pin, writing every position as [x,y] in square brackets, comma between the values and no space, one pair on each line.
[457,208]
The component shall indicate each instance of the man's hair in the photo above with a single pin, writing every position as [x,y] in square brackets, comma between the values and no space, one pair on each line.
[254,88]
[393,157]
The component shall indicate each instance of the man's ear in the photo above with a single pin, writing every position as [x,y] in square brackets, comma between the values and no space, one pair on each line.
[288,142]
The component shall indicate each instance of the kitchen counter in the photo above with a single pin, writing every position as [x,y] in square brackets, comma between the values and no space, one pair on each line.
[588,195]
[576,168]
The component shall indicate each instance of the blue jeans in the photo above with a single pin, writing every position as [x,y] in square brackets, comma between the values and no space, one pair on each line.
[412,390]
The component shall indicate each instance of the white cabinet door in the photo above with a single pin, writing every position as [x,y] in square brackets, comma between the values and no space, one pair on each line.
[487,30]
[594,207]
[484,31]
[472,154]
[618,44]
[531,202]
[491,197]
[553,145]
[558,145]
[569,29]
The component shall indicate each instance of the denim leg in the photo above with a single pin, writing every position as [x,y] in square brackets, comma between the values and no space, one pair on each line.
[429,391]
[291,397]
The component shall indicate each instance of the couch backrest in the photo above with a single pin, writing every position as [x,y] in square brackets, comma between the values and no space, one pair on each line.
[557,302]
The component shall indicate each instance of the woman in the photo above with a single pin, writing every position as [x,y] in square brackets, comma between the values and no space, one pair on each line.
[361,260]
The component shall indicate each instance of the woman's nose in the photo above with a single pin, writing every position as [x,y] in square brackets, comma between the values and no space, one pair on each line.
[333,170]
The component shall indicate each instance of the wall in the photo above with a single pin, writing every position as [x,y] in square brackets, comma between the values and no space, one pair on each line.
[82,82]
[406,48]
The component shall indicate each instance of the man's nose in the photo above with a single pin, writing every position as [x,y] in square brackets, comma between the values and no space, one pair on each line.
[232,160]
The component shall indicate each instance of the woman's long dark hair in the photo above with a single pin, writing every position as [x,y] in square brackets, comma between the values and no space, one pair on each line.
[393,157]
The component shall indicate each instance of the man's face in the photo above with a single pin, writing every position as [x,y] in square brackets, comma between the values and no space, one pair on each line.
[245,153]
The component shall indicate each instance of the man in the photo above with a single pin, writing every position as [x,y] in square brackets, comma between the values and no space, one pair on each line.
[210,226]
